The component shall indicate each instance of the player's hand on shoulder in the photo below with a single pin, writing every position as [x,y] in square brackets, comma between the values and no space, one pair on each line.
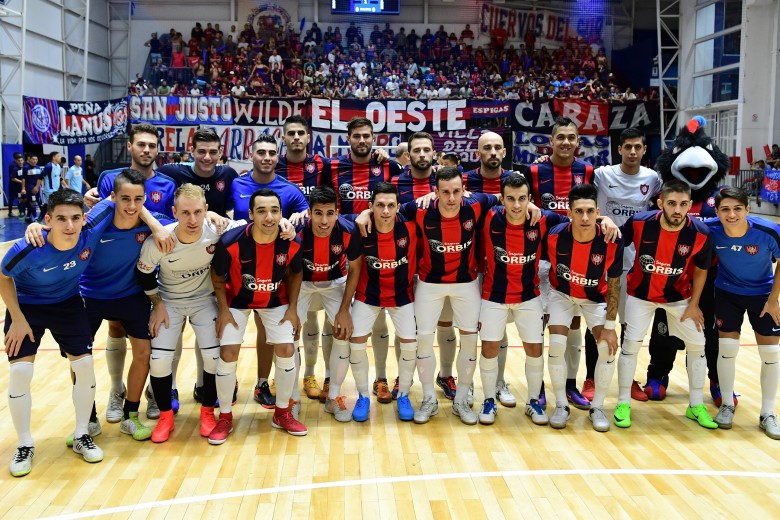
[33,235]
[534,214]
[363,222]
[610,229]
[296,219]
[425,201]
[219,222]
[381,155]
[287,230]
[541,159]
[164,240]
[91,198]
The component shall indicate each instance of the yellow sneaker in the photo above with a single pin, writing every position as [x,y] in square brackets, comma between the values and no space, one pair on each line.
[311,388]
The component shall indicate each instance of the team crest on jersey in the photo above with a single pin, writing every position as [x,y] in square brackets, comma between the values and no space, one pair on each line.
[310,167]
[281,259]
[376,171]
[579,179]
[84,255]
[469,224]
[220,185]
[711,202]
[140,237]
[683,249]
[532,235]
[402,242]
[336,248]
[156,197]
[596,259]
[751,250]
[719,323]
[644,188]
[210,249]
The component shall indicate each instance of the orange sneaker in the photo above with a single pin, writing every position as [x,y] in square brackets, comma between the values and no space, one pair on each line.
[311,388]
[207,420]
[588,389]
[325,390]
[164,427]
[382,391]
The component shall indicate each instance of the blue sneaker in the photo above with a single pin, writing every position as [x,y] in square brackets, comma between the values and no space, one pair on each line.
[175,401]
[542,401]
[655,389]
[405,410]
[362,407]
[488,413]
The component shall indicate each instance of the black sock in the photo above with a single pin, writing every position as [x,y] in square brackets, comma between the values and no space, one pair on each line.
[130,406]
[571,384]
[209,394]
[93,417]
[591,355]
[161,386]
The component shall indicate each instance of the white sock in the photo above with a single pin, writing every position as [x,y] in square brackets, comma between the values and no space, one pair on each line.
[296,389]
[175,363]
[573,353]
[534,375]
[380,342]
[727,368]
[556,366]
[605,371]
[426,363]
[311,342]
[327,345]
[445,337]
[770,355]
[116,349]
[488,370]
[627,368]
[83,393]
[339,361]
[20,400]
[503,351]
[466,365]
[358,362]
[260,381]
[226,382]
[397,348]
[696,363]
[406,363]
[285,380]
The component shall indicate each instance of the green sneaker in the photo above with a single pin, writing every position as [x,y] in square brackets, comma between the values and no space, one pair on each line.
[93,428]
[699,414]
[133,426]
[623,415]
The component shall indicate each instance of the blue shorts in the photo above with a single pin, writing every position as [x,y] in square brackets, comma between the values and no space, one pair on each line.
[67,321]
[131,311]
[730,310]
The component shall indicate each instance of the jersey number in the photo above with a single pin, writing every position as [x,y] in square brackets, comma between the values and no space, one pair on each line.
[736,248]
[69,265]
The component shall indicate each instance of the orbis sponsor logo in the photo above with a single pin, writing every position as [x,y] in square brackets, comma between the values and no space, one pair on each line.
[319,268]
[377,263]
[617,209]
[440,247]
[649,265]
[564,272]
[505,257]
[554,203]
[250,283]
[348,192]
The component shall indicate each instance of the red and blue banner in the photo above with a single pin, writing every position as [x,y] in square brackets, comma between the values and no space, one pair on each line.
[770,188]
[67,123]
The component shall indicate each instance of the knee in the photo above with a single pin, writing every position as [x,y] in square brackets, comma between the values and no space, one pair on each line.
[116,330]
[630,347]
[770,354]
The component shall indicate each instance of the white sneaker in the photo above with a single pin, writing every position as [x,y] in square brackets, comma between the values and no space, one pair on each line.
[152,411]
[428,408]
[338,409]
[535,411]
[21,464]
[768,423]
[93,428]
[559,417]
[470,396]
[504,395]
[725,417]
[464,411]
[114,411]
[488,413]
[599,419]
[87,448]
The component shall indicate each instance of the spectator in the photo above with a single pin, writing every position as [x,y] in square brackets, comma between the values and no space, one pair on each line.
[238,91]
[155,49]
[163,89]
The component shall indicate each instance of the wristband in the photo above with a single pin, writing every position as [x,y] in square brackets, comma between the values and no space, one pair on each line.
[609,324]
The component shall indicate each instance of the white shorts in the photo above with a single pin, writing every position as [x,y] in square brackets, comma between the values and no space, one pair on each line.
[528,317]
[201,314]
[275,334]
[429,301]
[446,311]
[563,308]
[640,313]
[328,294]
[364,316]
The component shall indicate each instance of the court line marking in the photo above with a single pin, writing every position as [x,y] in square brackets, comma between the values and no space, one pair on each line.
[410,478]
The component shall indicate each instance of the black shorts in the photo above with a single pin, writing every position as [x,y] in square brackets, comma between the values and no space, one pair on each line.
[67,321]
[730,310]
[131,311]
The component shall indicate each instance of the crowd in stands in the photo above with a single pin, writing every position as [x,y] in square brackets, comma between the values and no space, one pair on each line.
[269,61]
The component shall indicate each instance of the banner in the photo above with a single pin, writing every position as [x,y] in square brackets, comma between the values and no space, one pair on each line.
[462,142]
[172,110]
[268,111]
[48,121]
[236,140]
[489,109]
[770,188]
[392,116]
[333,144]
[551,28]
[591,118]
[530,145]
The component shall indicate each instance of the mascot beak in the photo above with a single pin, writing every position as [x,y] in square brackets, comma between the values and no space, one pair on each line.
[694,166]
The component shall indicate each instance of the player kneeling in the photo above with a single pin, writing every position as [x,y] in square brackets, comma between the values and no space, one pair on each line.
[255,269]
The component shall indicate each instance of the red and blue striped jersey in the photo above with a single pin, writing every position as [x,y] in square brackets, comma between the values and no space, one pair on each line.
[389,264]
[702,209]
[578,269]
[310,173]
[474,182]
[665,260]
[448,252]
[512,256]
[550,184]
[355,182]
[325,258]
[411,188]
[255,272]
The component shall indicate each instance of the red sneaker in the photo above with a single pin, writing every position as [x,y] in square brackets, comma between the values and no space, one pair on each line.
[164,427]
[588,389]
[222,429]
[284,420]
[637,393]
[207,420]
